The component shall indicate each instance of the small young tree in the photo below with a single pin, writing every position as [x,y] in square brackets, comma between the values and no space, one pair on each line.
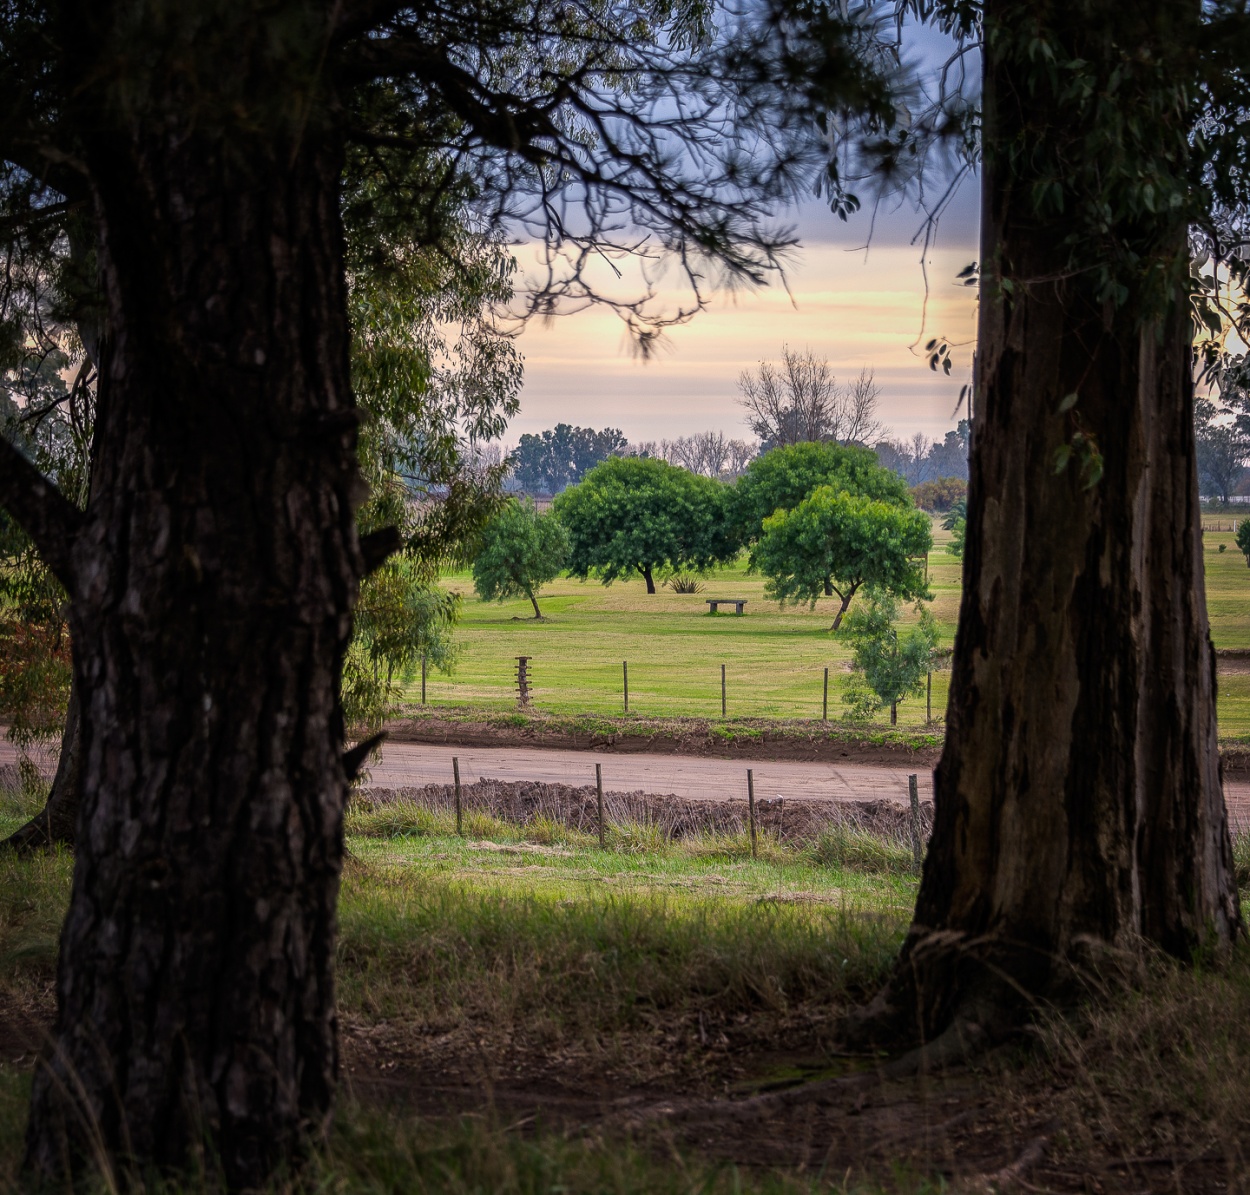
[888,665]
[400,618]
[637,515]
[956,522]
[520,551]
[1243,539]
[844,541]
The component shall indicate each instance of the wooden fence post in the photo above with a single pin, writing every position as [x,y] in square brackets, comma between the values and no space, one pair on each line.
[722,690]
[751,807]
[423,664]
[523,680]
[625,674]
[928,696]
[914,794]
[599,794]
[455,771]
[824,704]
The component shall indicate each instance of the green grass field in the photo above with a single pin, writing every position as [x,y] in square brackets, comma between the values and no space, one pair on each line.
[774,659]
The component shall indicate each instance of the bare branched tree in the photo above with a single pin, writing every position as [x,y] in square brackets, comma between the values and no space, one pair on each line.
[710,453]
[801,401]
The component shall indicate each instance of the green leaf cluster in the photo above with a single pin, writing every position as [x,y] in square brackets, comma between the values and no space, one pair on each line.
[888,665]
[635,515]
[519,551]
[850,540]
[782,478]
[1243,538]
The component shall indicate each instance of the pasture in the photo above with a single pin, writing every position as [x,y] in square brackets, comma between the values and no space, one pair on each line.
[774,658]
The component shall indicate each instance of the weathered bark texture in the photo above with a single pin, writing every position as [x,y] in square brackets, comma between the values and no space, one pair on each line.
[55,823]
[1078,801]
[645,569]
[212,585]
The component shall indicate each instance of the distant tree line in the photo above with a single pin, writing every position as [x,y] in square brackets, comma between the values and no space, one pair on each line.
[796,401]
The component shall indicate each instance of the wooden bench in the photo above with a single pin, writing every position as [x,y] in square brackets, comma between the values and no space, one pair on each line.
[737,603]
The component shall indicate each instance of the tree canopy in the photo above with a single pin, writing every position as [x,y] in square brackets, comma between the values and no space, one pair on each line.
[632,515]
[561,456]
[518,552]
[846,540]
[782,478]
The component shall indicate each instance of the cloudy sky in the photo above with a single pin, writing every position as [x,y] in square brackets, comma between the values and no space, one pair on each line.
[858,308]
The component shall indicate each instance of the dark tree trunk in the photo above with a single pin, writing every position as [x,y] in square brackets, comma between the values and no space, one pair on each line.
[212,586]
[646,576]
[55,823]
[1078,801]
[842,609]
[534,602]
[893,713]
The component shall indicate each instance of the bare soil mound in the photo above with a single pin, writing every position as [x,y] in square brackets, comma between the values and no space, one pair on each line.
[525,802]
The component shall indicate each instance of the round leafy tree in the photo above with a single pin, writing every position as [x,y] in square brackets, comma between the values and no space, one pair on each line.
[636,515]
[782,478]
[844,541]
[521,550]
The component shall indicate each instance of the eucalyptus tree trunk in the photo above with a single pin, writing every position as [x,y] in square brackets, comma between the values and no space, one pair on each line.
[1078,803]
[212,579]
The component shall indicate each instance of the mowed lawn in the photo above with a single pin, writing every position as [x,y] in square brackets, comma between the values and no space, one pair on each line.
[774,658]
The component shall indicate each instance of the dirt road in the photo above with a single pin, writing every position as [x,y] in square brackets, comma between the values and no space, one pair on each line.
[411,764]
[405,765]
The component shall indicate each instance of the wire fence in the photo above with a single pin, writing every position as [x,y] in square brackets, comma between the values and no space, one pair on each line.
[608,813]
[712,689]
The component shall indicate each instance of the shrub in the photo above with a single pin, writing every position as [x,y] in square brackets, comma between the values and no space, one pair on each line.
[940,495]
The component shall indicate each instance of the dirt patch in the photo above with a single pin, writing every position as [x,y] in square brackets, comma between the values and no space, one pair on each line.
[766,1091]
[524,803]
[759,738]
[729,1092]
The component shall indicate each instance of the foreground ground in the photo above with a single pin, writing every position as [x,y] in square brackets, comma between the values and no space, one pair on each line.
[524,1011]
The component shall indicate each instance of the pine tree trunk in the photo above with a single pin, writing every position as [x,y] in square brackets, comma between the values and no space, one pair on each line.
[1078,802]
[214,580]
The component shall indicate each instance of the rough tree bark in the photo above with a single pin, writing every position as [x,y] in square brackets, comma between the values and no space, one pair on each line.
[212,580]
[645,570]
[1078,803]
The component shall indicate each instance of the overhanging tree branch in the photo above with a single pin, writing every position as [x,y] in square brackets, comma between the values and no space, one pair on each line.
[43,512]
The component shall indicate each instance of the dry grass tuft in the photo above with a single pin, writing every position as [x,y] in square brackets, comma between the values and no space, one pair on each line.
[641,818]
